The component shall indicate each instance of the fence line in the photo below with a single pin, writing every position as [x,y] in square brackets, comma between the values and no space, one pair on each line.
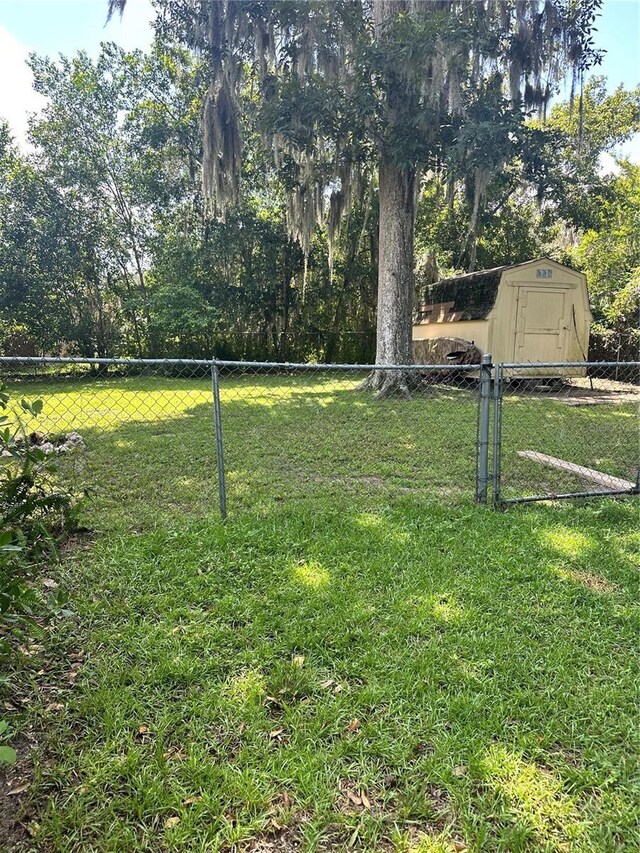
[506,433]
[269,365]
[49,359]
[289,365]
[563,364]
[46,359]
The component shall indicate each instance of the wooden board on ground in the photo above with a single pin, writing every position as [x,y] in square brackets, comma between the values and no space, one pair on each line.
[616,484]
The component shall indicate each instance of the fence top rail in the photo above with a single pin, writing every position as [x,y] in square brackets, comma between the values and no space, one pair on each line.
[535,364]
[46,359]
[281,365]
[290,365]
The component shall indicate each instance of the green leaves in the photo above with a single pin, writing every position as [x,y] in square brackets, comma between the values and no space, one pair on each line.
[7,753]
[33,408]
[35,509]
[7,544]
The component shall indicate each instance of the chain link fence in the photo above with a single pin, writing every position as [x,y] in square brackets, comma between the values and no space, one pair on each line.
[293,432]
[147,429]
[170,434]
[565,430]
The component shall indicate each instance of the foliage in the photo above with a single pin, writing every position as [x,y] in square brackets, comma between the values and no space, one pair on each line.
[35,509]
[7,753]
[108,245]
[348,88]
[90,155]
[566,164]
[610,256]
[49,290]
[35,512]
[343,82]
[554,198]
[127,182]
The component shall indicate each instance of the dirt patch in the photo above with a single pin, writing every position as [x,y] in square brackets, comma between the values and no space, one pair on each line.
[283,842]
[377,482]
[80,540]
[560,756]
[439,799]
[615,393]
[365,480]
[589,581]
[599,398]
[16,827]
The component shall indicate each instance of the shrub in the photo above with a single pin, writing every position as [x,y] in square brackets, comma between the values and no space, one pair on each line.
[35,510]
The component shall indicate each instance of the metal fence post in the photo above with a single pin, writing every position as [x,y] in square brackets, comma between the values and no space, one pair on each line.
[484,428]
[222,491]
[497,433]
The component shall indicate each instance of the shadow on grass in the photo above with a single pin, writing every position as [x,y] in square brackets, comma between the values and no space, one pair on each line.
[283,452]
[433,657]
[294,437]
[604,438]
[471,672]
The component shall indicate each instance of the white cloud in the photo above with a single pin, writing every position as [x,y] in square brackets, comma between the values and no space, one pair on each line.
[17,98]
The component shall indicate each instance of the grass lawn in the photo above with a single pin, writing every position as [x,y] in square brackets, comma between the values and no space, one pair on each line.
[359,659]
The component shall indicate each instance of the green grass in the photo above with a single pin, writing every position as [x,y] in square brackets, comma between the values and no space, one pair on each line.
[357,627]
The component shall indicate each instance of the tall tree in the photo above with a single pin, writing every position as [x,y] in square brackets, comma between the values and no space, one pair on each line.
[388,81]
[573,145]
[609,253]
[85,148]
[51,289]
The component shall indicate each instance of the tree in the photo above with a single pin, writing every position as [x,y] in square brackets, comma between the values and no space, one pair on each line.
[566,153]
[392,81]
[126,128]
[85,149]
[609,253]
[50,288]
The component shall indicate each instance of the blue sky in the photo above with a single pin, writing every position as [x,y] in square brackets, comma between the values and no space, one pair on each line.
[53,27]
[65,26]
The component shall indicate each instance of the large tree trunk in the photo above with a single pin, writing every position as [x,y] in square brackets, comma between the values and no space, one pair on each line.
[395,245]
[395,277]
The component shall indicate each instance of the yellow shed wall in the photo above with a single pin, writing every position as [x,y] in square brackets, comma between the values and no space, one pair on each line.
[530,310]
[470,330]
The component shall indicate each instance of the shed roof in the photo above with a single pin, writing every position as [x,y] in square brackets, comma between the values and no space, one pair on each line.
[464,297]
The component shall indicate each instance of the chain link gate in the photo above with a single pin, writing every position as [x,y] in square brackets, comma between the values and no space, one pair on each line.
[565,430]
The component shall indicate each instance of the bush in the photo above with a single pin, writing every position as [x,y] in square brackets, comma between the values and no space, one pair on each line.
[35,510]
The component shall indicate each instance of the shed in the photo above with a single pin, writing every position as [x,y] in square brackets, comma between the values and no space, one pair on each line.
[537,311]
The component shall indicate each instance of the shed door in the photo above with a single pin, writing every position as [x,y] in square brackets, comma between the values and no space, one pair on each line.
[541,324]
